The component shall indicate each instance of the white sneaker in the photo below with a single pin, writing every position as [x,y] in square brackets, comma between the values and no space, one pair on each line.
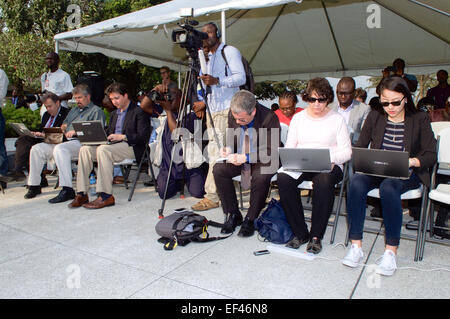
[354,256]
[387,264]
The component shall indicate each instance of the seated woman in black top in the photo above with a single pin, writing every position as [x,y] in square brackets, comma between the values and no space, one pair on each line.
[400,128]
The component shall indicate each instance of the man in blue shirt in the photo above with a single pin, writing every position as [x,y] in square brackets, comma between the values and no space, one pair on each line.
[224,80]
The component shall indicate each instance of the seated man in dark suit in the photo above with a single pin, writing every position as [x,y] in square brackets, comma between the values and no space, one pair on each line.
[54,117]
[252,141]
[129,129]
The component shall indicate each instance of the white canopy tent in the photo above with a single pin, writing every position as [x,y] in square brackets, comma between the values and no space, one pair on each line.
[285,39]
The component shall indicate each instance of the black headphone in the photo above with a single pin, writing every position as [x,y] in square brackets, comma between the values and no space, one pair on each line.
[218,33]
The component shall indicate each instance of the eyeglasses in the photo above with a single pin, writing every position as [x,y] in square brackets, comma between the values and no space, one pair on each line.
[394,103]
[320,99]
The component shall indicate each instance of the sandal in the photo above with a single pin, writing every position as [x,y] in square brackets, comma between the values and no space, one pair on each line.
[314,246]
[295,243]
[205,204]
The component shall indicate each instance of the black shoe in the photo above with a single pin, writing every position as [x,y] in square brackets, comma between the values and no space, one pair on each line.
[3,185]
[314,246]
[63,196]
[233,220]
[44,182]
[295,243]
[33,191]
[247,228]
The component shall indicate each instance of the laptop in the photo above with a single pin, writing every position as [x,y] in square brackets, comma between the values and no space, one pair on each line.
[22,129]
[382,163]
[314,160]
[91,133]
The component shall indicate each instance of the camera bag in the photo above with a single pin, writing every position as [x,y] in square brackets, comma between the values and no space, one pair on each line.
[183,227]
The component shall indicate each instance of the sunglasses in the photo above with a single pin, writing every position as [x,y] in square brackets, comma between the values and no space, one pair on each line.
[320,99]
[394,103]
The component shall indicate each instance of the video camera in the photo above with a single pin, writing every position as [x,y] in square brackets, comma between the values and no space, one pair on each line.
[158,96]
[189,38]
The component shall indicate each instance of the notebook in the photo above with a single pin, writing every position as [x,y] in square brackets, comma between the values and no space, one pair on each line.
[22,129]
[314,160]
[382,163]
[91,133]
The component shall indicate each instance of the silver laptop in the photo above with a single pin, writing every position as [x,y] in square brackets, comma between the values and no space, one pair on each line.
[22,129]
[90,133]
[314,160]
[382,163]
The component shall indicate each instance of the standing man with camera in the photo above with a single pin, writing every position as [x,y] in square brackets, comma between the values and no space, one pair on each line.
[56,81]
[166,83]
[224,79]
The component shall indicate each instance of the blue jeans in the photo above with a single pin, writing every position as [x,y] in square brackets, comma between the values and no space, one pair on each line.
[3,155]
[391,204]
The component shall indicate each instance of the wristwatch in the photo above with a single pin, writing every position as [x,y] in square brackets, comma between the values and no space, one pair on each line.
[218,81]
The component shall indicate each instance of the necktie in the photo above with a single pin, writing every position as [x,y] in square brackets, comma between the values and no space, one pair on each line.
[50,122]
[246,169]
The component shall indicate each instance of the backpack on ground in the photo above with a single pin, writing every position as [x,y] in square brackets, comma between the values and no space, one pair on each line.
[249,78]
[272,225]
[183,227]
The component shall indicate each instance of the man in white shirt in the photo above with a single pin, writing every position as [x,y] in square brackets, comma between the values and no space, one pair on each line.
[224,80]
[353,111]
[56,80]
[3,156]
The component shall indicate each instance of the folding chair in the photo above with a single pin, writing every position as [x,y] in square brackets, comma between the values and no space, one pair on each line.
[441,193]
[420,192]
[145,156]
[237,179]
[308,185]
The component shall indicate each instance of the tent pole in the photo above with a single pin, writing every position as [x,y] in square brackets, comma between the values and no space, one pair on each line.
[224,26]
[56,47]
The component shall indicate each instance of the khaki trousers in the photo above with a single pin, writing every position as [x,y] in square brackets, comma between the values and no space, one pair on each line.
[106,156]
[220,120]
[62,154]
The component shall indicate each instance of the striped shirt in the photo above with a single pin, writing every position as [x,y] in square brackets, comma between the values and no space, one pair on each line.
[394,134]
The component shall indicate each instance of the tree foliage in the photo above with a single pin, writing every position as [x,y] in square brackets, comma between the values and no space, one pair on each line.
[270,90]
[30,25]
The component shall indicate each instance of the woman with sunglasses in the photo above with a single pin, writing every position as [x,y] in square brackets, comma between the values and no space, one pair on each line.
[316,127]
[401,128]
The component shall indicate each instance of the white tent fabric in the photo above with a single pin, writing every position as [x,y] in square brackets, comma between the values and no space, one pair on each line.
[286,39]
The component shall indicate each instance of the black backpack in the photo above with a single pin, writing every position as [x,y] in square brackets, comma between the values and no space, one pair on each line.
[249,78]
[183,227]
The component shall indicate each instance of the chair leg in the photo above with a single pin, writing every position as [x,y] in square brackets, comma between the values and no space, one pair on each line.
[137,174]
[240,196]
[421,231]
[126,174]
[338,211]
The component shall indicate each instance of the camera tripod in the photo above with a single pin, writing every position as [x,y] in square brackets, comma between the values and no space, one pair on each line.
[188,92]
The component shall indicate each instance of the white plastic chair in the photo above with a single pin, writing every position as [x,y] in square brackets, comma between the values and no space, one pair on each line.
[442,192]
